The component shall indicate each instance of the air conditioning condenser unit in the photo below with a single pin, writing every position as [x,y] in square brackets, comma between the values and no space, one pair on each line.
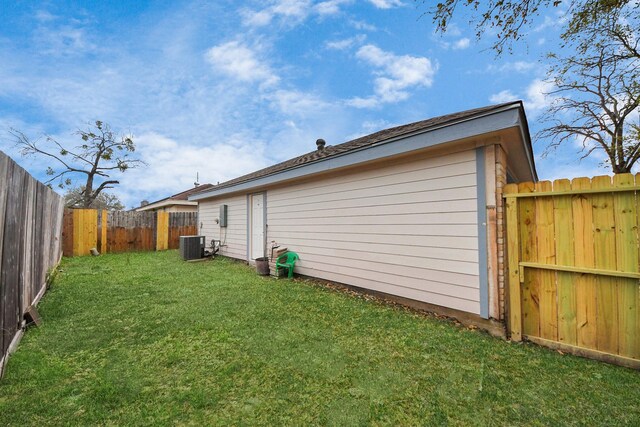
[192,247]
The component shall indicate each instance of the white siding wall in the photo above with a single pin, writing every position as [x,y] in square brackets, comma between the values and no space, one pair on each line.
[234,236]
[409,229]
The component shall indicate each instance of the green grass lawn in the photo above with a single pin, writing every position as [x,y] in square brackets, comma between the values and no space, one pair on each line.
[144,339]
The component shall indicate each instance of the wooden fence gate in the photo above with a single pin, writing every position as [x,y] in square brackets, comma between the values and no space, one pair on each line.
[119,231]
[574,269]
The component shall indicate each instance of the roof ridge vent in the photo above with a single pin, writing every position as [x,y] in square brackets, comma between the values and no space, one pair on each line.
[320,143]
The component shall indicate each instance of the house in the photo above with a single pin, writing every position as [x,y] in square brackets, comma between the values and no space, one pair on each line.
[177,203]
[414,212]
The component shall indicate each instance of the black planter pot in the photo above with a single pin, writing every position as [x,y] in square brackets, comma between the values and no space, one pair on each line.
[262,266]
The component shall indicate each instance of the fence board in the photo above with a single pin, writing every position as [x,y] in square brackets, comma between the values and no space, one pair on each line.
[544,227]
[563,219]
[162,231]
[11,261]
[27,249]
[584,257]
[604,253]
[104,224]
[67,234]
[528,252]
[626,231]
[7,258]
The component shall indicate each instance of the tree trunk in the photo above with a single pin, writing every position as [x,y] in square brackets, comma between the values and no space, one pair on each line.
[88,189]
[621,169]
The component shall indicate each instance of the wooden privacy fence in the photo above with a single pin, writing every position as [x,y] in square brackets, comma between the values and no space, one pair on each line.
[30,246]
[120,231]
[573,264]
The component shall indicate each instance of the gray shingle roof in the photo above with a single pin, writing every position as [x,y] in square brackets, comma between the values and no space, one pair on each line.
[362,142]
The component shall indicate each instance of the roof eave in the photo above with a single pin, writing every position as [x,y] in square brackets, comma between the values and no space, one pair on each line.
[528,146]
[507,121]
[165,203]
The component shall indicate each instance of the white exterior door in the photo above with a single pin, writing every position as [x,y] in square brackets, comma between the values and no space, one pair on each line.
[257,231]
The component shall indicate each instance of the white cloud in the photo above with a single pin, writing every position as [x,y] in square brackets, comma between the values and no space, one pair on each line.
[291,12]
[502,97]
[358,102]
[295,8]
[537,95]
[463,43]
[330,7]
[522,66]
[292,102]
[346,43]
[571,170]
[259,18]
[447,40]
[56,36]
[517,66]
[44,16]
[386,4]
[362,25]
[557,20]
[370,126]
[395,75]
[294,12]
[239,61]
[453,30]
[172,165]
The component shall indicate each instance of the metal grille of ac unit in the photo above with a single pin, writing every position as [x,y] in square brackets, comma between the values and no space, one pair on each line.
[191,247]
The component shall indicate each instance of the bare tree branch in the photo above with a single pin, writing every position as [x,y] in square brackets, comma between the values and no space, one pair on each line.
[599,88]
[100,154]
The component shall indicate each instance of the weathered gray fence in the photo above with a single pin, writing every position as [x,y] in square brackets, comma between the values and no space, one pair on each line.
[30,246]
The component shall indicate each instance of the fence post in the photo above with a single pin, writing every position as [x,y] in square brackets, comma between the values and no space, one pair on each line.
[162,231]
[513,255]
[85,231]
[103,232]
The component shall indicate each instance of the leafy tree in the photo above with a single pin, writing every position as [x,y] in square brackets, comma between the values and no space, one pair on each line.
[74,198]
[595,69]
[510,19]
[598,90]
[101,153]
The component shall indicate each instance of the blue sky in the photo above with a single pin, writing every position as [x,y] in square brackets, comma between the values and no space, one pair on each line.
[227,87]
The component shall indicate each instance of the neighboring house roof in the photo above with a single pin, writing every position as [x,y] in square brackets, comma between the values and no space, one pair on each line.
[181,198]
[395,134]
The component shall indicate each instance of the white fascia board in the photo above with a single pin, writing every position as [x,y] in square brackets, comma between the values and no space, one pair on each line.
[495,120]
[528,147]
[165,203]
